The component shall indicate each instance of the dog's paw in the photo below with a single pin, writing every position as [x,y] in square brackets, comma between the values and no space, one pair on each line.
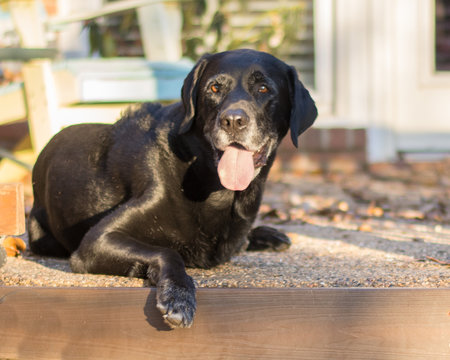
[267,238]
[176,303]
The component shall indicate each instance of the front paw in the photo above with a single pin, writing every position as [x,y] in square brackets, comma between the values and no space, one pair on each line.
[267,238]
[176,303]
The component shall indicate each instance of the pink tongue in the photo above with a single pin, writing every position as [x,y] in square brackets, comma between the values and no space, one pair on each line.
[236,169]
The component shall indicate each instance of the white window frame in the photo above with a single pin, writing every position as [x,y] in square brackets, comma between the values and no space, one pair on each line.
[324,56]
[429,76]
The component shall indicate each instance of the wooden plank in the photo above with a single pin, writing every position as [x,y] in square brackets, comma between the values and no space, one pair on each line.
[12,209]
[11,172]
[28,23]
[118,80]
[160,25]
[12,103]
[95,113]
[119,323]
[25,54]
[11,157]
[108,9]
[42,102]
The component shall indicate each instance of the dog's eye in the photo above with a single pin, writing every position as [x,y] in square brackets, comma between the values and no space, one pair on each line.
[215,88]
[263,89]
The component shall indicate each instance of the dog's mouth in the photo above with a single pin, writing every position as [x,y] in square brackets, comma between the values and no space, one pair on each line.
[259,157]
[237,166]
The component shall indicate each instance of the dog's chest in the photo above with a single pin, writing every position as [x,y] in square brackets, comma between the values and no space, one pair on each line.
[210,232]
[212,216]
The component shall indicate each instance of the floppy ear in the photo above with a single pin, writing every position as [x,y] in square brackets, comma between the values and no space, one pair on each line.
[303,109]
[189,92]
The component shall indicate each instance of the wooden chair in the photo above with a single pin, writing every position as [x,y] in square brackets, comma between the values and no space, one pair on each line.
[62,93]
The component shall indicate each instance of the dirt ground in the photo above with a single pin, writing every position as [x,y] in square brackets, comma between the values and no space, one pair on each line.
[389,227]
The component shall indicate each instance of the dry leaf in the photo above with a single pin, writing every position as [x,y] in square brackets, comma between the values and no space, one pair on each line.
[296,214]
[411,214]
[265,208]
[374,210]
[14,246]
[343,206]
[294,237]
[275,214]
[338,218]
[440,262]
[365,227]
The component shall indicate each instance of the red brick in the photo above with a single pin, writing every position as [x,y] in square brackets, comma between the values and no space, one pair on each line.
[310,140]
[338,140]
[360,139]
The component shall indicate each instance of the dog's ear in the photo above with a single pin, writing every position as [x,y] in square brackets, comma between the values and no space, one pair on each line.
[189,92]
[303,109]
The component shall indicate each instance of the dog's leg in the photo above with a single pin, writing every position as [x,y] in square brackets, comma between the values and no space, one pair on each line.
[109,248]
[116,253]
[40,239]
[267,238]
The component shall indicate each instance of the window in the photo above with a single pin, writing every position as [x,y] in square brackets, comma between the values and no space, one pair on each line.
[442,35]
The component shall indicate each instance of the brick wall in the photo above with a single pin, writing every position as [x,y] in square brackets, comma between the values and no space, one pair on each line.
[322,150]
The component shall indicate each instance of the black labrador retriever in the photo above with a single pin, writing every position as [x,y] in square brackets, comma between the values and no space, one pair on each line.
[171,186]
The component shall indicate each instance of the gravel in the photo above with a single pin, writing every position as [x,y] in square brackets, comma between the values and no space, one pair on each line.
[337,241]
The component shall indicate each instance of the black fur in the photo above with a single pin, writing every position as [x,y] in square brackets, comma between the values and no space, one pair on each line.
[142,197]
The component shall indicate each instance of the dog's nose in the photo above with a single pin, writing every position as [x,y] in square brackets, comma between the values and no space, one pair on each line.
[234,120]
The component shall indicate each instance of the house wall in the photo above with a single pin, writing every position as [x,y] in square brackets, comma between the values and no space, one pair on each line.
[382,77]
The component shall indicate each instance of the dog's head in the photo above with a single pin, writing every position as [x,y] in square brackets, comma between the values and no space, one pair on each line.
[244,102]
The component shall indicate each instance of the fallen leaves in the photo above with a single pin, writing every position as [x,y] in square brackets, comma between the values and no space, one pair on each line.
[411,214]
[374,211]
[13,245]
[365,227]
[362,201]
[294,237]
[440,262]
[275,215]
[343,206]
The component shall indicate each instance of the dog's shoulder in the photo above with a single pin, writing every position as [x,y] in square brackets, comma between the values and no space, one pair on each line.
[145,132]
[147,116]
[138,117]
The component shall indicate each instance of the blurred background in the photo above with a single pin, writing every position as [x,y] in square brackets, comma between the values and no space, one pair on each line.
[379,71]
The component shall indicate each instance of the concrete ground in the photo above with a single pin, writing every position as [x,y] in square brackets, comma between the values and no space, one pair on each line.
[386,228]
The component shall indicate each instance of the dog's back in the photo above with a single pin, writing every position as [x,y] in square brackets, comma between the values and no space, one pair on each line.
[79,177]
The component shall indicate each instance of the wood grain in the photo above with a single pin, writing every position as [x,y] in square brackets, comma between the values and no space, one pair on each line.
[83,323]
[12,212]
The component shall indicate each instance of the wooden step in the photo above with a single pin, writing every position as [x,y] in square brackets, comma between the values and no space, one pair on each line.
[123,323]
[12,209]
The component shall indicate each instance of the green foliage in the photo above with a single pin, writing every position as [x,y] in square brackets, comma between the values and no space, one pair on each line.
[210,31]
[207,28]
[101,40]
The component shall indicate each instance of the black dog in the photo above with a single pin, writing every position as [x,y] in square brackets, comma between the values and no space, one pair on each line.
[171,186]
